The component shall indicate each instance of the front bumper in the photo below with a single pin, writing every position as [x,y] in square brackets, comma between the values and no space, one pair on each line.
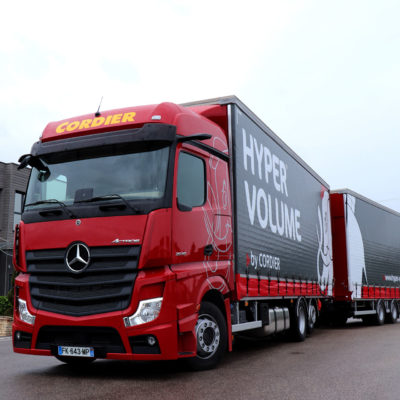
[104,337]
[173,330]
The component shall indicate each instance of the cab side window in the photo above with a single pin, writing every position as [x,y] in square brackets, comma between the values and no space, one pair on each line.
[191,182]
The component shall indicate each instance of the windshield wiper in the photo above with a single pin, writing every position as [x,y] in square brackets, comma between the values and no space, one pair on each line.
[110,197]
[54,201]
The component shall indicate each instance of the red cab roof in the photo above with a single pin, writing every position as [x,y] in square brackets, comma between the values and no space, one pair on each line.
[188,121]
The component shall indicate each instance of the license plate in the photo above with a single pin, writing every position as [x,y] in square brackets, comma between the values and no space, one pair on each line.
[73,351]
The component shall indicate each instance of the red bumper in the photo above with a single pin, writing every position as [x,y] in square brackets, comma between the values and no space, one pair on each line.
[172,329]
[166,335]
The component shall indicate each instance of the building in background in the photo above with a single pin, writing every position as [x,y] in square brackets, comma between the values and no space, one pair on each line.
[12,192]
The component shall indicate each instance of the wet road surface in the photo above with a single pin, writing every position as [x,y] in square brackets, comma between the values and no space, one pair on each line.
[354,362]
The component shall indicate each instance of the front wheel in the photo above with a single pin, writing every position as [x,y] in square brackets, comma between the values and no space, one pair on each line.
[211,336]
[299,320]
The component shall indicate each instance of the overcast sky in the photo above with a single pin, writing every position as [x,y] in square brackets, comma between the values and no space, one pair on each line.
[323,75]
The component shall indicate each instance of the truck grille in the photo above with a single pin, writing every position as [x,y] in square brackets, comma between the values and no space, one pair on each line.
[106,284]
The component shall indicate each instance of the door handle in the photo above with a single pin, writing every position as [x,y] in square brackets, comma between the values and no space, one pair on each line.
[208,250]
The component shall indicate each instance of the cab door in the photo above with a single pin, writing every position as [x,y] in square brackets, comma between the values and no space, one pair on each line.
[191,212]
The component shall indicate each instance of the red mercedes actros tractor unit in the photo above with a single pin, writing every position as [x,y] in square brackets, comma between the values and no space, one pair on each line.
[160,232]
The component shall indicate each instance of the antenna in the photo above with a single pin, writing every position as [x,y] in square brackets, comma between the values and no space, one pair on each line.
[97,113]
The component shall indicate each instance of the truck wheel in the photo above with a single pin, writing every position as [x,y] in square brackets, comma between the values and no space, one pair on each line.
[211,335]
[380,313]
[298,321]
[393,313]
[312,317]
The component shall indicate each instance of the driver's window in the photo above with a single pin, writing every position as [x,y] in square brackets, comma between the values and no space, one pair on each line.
[191,181]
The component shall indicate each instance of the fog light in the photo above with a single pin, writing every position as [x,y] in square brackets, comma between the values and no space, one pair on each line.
[18,335]
[151,340]
[24,314]
[147,311]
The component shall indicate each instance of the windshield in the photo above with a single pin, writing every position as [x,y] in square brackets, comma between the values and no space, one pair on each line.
[78,178]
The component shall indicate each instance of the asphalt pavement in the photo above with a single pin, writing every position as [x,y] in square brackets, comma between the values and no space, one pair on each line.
[354,362]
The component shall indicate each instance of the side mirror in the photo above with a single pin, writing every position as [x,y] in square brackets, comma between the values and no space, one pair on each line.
[24,160]
[36,162]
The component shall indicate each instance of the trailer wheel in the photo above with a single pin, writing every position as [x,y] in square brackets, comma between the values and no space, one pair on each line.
[393,313]
[312,317]
[211,335]
[299,321]
[380,313]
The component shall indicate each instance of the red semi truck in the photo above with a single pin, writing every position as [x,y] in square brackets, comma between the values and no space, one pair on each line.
[160,232]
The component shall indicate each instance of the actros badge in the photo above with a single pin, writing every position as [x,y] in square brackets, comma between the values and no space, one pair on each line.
[77,257]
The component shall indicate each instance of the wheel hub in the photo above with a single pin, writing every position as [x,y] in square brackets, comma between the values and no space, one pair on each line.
[312,315]
[208,336]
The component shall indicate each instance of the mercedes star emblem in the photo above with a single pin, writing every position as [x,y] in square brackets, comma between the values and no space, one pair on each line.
[77,257]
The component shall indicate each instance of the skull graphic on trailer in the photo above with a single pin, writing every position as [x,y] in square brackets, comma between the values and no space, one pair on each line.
[324,256]
[355,249]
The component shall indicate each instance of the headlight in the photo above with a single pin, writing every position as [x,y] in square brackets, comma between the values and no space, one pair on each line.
[147,311]
[24,314]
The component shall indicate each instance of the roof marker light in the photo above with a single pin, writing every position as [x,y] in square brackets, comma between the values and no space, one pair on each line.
[156,117]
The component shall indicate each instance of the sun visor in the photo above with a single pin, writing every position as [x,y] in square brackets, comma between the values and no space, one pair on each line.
[155,133]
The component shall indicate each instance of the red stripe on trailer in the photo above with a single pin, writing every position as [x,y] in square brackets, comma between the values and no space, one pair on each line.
[379,292]
[250,286]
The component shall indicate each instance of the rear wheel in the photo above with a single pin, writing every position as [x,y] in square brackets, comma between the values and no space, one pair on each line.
[298,321]
[312,317]
[380,313]
[393,313]
[211,336]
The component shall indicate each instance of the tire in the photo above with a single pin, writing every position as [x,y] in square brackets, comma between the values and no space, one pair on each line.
[312,317]
[299,321]
[75,361]
[393,314]
[380,313]
[211,336]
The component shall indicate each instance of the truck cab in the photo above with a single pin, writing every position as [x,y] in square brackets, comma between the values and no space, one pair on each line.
[124,250]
